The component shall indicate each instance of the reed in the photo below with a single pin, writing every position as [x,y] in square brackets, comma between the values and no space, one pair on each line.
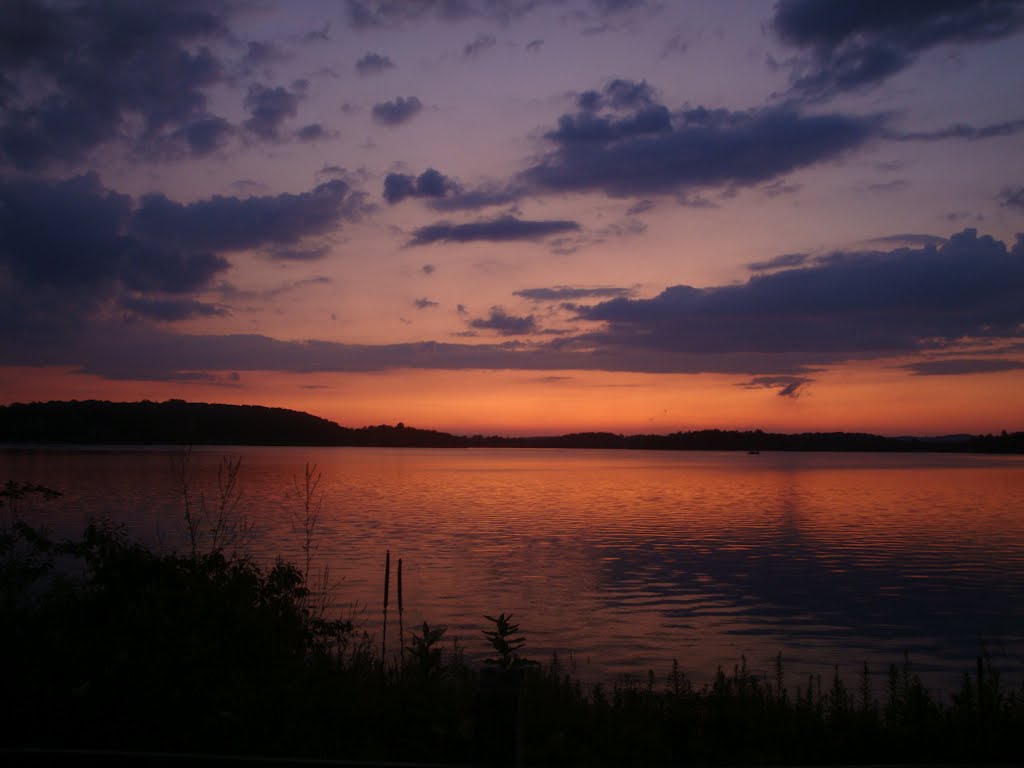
[401,623]
[387,590]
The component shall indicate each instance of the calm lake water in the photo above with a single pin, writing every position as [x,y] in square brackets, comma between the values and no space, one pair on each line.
[624,560]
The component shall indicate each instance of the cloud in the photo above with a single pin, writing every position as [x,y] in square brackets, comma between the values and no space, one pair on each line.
[858,305]
[481,43]
[862,44]
[425,303]
[505,324]
[909,238]
[169,310]
[961,131]
[205,134]
[299,254]
[502,229]
[622,142]
[373,64]
[428,269]
[396,112]
[566,293]
[318,35]
[232,223]
[889,186]
[962,366]
[534,46]
[104,62]
[367,14]
[430,184]
[333,172]
[787,386]
[67,251]
[486,195]
[779,262]
[63,290]
[313,132]
[268,109]
[260,53]
[1011,197]
[444,193]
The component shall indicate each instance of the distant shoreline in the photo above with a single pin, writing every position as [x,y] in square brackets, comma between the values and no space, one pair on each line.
[179,423]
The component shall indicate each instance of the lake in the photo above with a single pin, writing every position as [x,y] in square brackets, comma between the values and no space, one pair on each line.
[620,561]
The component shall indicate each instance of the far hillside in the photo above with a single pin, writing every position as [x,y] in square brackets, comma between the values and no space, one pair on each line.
[176,422]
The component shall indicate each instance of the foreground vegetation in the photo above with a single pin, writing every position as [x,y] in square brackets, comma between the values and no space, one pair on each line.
[108,644]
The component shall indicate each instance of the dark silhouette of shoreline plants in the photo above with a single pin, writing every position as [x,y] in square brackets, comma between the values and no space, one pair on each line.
[107,644]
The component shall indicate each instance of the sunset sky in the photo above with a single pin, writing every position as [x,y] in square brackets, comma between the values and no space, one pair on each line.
[520,216]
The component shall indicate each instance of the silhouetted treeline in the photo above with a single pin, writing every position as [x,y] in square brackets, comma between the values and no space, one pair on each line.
[176,422]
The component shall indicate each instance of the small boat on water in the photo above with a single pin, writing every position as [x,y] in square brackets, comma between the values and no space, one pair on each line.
[754,453]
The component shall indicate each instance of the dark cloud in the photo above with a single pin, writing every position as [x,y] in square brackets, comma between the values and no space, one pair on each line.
[444,193]
[779,187]
[373,64]
[481,43]
[332,172]
[473,199]
[845,306]
[260,53]
[676,45]
[534,46]
[363,14]
[955,216]
[505,324]
[961,131]
[206,134]
[430,183]
[313,132]
[961,366]
[1011,197]
[70,241]
[321,34]
[425,303]
[909,238]
[619,94]
[169,310]
[105,61]
[299,254]
[643,206]
[502,229]
[566,292]
[622,142]
[782,261]
[888,186]
[396,112]
[787,386]
[232,223]
[859,44]
[428,269]
[268,109]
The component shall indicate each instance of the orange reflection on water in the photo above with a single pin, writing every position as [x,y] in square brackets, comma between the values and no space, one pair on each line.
[629,559]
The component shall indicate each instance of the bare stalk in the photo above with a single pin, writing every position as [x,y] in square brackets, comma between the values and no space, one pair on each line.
[312,504]
[222,526]
[181,466]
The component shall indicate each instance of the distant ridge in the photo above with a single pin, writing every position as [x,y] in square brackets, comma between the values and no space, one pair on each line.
[176,422]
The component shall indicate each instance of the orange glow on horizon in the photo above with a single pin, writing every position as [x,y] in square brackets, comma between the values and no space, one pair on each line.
[864,398]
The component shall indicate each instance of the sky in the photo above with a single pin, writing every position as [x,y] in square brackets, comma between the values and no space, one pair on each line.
[520,216]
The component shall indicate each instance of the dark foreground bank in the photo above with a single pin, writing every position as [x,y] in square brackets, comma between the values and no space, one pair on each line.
[108,645]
